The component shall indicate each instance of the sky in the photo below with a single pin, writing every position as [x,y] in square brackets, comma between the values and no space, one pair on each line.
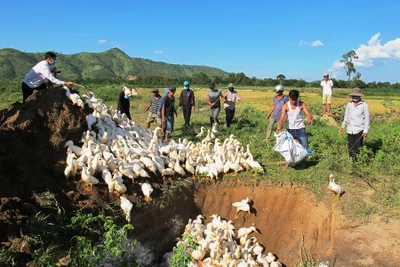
[299,39]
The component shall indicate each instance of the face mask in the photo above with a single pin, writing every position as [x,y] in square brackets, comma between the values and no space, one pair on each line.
[186,87]
[126,97]
[53,62]
[356,99]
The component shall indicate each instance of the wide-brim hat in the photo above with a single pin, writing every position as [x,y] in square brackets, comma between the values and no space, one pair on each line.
[356,92]
[230,85]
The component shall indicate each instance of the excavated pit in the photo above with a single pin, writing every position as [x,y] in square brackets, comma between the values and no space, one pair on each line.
[32,159]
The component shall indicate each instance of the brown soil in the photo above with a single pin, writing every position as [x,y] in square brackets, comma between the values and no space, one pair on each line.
[32,160]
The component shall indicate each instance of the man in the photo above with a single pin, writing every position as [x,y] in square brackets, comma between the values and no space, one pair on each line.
[123,101]
[230,99]
[294,113]
[213,100]
[167,113]
[35,78]
[153,106]
[186,102]
[275,113]
[54,71]
[357,120]
[326,86]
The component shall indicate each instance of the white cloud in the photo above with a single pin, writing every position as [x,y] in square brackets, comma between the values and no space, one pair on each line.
[374,50]
[158,52]
[302,43]
[317,43]
[102,41]
[370,53]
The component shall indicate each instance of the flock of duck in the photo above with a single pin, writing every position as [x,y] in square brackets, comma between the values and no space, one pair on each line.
[117,149]
[219,243]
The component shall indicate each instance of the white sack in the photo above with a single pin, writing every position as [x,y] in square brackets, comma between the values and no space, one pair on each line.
[291,150]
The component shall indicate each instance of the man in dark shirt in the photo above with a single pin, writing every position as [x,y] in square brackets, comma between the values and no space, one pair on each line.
[167,113]
[123,102]
[213,100]
[186,102]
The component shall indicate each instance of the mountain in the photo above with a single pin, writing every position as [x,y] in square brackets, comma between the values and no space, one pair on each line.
[111,64]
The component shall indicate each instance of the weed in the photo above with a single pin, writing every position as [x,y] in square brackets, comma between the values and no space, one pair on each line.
[181,256]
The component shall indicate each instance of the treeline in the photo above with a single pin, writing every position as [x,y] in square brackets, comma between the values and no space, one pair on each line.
[240,79]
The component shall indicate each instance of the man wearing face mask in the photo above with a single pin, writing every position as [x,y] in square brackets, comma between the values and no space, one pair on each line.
[186,102]
[35,78]
[357,121]
[230,99]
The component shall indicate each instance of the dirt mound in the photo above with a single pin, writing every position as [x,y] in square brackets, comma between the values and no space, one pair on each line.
[329,119]
[33,135]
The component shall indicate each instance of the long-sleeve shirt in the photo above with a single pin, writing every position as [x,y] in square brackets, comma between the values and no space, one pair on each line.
[230,99]
[38,74]
[356,118]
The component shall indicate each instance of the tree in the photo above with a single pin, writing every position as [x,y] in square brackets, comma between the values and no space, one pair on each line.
[347,59]
[281,78]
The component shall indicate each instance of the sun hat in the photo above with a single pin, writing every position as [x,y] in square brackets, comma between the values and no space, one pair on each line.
[155,90]
[356,92]
[230,85]
[54,69]
[186,83]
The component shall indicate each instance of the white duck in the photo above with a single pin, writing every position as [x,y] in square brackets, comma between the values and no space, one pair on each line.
[334,187]
[71,168]
[74,149]
[202,131]
[126,206]
[178,168]
[167,172]
[118,182]
[242,205]
[75,98]
[86,177]
[147,190]
[91,121]
[107,177]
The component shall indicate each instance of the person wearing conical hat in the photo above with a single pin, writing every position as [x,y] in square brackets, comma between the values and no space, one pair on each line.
[357,121]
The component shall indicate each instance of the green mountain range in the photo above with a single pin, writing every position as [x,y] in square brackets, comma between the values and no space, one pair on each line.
[111,64]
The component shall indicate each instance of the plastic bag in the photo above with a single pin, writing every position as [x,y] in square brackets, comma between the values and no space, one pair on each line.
[290,149]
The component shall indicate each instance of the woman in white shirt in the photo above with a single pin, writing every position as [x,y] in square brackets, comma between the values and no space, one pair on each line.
[357,121]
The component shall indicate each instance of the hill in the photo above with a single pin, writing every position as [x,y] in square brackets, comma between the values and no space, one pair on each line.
[111,64]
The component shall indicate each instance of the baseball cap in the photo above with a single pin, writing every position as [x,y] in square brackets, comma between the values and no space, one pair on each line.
[54,69]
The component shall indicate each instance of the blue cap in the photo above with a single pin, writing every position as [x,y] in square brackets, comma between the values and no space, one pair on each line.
[186,83]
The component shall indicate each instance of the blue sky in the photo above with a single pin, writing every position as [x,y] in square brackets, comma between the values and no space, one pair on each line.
[300,39]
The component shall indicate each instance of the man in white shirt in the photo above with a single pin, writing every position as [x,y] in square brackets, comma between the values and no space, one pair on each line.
[326,86]
[35,79]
